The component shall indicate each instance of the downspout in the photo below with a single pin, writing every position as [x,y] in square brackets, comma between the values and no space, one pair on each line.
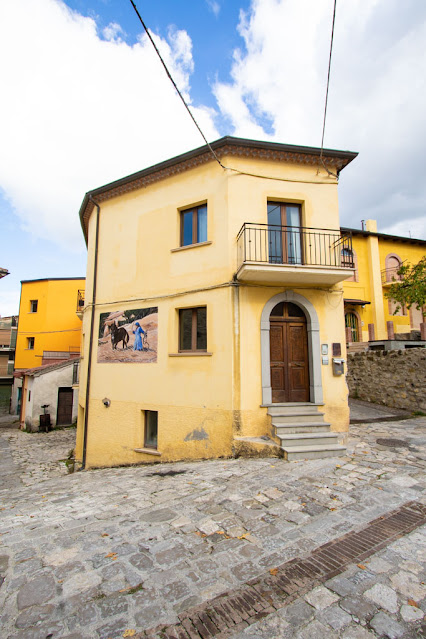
[92,323]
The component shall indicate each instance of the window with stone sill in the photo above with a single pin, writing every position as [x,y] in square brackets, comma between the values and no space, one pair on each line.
[193,225]
[151,429]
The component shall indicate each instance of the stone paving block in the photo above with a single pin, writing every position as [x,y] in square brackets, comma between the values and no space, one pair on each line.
[411,613]
[112,630]
[85,615]
[357,632]
[378,565]
[264,629]
[341,585]
[335,617]
[316,630]
[175,590]
[207,526]
[358,607]
[80,582]
[34,614]
[53,630]
[141,561]
[36,592]
[385,626]
[161,515]
[383,596]
[409,585]
[321,597]
[297,613]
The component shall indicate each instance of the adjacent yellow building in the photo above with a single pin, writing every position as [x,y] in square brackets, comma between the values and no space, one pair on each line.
[48,320]
[377,258]
[214,318]
[49,332]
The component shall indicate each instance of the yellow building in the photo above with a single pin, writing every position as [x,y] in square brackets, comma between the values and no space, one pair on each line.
[49,327]
[214,317]
[377,258]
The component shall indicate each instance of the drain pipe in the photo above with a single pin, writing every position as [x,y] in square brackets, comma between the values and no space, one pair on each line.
[92,325]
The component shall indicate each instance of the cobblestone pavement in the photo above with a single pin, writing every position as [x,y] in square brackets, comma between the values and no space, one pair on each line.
[382,597]
[109,553]
[37,456]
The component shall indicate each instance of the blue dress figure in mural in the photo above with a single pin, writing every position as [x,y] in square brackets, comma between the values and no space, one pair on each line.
[138,332]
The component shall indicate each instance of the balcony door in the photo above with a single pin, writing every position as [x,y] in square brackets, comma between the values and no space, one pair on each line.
[289,354]
[284,233]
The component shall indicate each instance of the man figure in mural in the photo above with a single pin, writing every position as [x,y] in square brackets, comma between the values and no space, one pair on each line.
[137,346]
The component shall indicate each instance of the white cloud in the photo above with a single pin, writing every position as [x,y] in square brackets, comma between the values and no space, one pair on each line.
[214,6]
[82,111]
[377,98]
[113,32]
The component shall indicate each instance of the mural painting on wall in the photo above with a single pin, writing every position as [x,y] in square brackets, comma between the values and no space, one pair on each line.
[128,336]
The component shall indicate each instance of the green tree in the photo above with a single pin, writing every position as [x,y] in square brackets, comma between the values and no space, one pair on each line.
[411,289]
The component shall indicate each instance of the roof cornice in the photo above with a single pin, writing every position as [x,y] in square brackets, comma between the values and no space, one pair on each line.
[227,145]
[382,236]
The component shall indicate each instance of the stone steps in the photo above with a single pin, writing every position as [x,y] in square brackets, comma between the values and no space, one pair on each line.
[302,431]
[313,452]
[300,427]
[298,418]
[309,439]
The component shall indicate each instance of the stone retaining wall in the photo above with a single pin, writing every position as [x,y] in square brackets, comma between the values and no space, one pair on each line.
[392,378]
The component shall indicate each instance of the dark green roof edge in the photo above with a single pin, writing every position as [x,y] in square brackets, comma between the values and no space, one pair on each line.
[384,236]
[53,279]
[217,144]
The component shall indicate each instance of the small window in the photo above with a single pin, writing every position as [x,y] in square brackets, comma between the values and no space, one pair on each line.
[347,257]
[193,226]
[193,329]
[33,306]
[30,343]
[29,395]
[151,429]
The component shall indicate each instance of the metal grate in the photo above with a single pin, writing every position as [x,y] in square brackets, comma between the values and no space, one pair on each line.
[257,598]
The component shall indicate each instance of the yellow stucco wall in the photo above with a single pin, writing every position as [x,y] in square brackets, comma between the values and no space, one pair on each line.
[55,326]
[202,401]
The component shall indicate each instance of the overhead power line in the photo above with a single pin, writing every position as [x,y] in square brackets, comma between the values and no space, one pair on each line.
[326,93]
[212,151]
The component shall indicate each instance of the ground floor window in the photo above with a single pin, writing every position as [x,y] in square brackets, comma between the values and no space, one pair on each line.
[151,429]
[351,321]
[193,329]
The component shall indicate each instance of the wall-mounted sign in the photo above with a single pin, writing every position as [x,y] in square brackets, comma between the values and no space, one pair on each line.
[324,349]
[128,336]
[337,350]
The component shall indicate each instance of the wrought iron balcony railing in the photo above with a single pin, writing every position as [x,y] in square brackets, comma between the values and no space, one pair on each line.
[293,245]
[390,275]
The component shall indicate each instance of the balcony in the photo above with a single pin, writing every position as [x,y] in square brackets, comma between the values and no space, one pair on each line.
[290,254]
[80,303]
[390,275]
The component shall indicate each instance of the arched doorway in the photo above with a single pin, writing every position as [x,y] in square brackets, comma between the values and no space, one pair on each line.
[314,351]
[289,354]
[351,321]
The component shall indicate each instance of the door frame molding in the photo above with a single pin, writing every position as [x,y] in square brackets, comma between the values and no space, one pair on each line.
[314,357]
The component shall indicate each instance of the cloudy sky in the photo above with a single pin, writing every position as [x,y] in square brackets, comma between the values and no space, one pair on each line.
[85,101]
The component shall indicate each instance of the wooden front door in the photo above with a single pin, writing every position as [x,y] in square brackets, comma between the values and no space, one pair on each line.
[289,354]
[65,399]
